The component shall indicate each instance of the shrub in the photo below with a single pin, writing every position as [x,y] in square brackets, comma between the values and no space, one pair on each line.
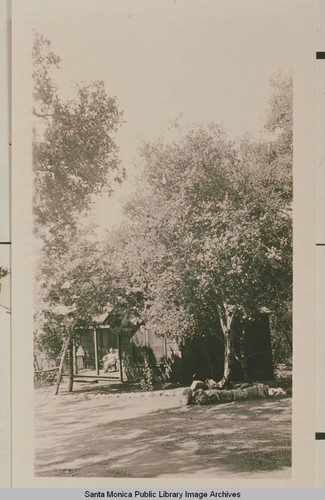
[147,379]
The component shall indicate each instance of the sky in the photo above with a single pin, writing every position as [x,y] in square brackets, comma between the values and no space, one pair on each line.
[193,60]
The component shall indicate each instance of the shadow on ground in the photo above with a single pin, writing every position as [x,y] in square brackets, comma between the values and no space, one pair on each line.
[246,437]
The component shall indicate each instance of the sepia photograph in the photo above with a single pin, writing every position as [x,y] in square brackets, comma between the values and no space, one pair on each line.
[162,239]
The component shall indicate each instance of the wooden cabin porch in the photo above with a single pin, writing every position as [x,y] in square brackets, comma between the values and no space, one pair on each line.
[89,348]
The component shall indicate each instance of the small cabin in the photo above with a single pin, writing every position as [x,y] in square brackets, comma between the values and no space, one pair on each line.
[202,357]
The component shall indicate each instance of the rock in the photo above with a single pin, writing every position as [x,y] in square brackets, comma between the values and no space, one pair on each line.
[221,396]
[200,397]
[262,390]
[213,396]
[187,396]
[216,396]
[238,394]
[211,384]
[251,392]
[226,396]
[245,386]
[198,384]
[277,392]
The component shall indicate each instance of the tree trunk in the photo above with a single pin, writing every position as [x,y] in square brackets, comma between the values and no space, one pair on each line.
[64,352]
[228,357]
[70,386]
[226,315]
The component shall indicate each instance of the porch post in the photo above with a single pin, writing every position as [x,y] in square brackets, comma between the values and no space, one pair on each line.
[75,357]
[120,356]
[70,384]
[96,351]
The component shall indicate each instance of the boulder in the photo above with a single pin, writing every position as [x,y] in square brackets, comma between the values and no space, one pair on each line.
[198,384]
[262,390]
[211,384]
[226,396]
[245,385]
[277,392]
[251,392]
[200,397]
[238,394]
[213,396]
[187,396]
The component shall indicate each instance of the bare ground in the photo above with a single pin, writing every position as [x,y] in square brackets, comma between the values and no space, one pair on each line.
[106,433]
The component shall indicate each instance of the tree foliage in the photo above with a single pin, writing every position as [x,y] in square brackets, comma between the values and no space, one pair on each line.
[75,155]
[210,228]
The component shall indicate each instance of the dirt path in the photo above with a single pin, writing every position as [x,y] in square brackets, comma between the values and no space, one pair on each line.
[153,435]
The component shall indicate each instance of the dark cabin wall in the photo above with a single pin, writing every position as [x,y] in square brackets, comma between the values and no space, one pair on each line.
[258,349]
[204,357]
[163,355]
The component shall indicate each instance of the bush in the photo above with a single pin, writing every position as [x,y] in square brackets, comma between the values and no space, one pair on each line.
[147,379]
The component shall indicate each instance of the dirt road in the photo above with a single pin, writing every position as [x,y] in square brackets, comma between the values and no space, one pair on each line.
[154,435]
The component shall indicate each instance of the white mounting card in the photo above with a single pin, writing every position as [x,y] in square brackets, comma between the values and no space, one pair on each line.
[170,64]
